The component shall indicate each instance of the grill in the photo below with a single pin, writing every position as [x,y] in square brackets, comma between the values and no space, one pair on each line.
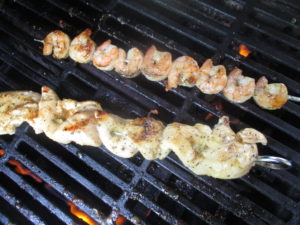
[109,189]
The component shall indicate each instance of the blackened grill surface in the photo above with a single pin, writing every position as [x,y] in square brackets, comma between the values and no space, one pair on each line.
[151,192]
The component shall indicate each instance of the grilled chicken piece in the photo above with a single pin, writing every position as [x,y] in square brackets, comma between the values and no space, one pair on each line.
[125,137]
[17,107]
[218,153]
[68,120]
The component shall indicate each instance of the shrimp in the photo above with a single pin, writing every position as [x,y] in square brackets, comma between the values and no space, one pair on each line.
[239,88]
[156,65]
[57,42]
[212,79]
[82,47]
[270,96]
[184,71]
[129,66]
[105,56]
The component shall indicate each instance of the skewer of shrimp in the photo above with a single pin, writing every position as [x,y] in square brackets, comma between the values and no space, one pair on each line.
[157,66]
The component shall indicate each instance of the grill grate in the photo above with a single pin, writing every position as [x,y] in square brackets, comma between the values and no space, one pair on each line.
[150,192]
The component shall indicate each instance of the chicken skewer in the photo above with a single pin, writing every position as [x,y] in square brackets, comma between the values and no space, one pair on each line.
[157,65]
[217,152]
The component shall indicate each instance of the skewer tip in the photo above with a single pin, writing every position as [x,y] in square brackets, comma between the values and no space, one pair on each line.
[273,162]
[294,98]
[37,40]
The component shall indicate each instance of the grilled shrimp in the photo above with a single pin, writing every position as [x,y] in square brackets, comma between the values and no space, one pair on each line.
[105,56]
[156,65]
[57,42]
[239,88]
[212,78]
[184,71]
[270,96]
[129,66]
[82,47]
[17,107]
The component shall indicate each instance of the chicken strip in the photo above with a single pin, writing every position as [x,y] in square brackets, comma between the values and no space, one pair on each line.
[125,137]
[67,120]
[17,107]
[219,153]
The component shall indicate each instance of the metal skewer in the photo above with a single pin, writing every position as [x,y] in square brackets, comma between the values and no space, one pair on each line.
[37,40]
[294,98]
[273,162]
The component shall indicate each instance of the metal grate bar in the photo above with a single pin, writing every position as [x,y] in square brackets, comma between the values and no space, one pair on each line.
[170,24]
[39,197]
[75,175]
[30,215]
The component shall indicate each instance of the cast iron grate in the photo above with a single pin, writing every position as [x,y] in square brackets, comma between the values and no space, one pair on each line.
[157,192]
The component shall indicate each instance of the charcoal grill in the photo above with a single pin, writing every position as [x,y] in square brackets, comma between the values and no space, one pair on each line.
[136,191]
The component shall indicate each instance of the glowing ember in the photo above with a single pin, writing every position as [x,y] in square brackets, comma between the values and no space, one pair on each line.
[218,106]
[148,213]
[208,116]
[21,170]
[2,152]
[244,50]
[234,121]
[120,220]
[80,214]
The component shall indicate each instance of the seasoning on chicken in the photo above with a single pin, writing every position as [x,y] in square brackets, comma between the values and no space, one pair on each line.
[58,43]
[270,96]
[156,65]
[82,47]
[129,66]
[125,137]
[212,78]
[239,88]
[105,56]
[17,107]
[67,120]
[219,152]
[184,71]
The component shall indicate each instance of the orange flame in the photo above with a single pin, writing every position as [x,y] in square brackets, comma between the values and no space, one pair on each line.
[120,220]
[244,50]
[2,152]
[80,214]
[21,170]
[218,106]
